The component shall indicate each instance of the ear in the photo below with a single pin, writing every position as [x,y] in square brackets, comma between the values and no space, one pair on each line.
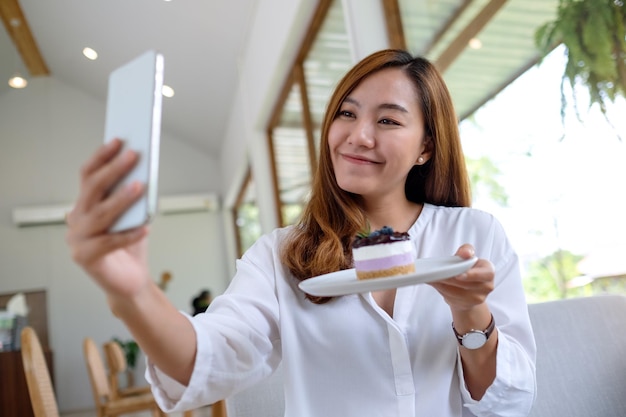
[426,153]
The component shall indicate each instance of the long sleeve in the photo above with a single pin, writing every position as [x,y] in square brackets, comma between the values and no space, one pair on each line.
[238,341]
[512,392]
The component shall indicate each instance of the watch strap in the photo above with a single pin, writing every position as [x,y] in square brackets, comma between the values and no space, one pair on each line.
[487,332]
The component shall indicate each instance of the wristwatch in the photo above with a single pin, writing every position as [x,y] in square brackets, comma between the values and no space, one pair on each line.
[475,339]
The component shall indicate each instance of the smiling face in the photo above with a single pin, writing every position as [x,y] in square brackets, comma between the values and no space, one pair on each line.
[377,136]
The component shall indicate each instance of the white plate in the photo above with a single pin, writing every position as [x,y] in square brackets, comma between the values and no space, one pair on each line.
[345,282]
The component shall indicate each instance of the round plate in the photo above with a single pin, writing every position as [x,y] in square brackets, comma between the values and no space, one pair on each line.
[345,282]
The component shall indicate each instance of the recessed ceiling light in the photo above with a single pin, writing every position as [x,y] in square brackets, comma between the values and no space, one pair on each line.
[475,43]
[167,91]
[90,54]
[17,81]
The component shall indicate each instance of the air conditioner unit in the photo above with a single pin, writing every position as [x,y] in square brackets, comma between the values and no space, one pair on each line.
[55,214]
[40,215]
[187,203]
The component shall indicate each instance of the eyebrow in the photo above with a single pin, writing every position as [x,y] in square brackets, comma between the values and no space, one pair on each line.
[390,106]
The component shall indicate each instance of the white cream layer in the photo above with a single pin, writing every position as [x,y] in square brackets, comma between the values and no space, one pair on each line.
[366,253]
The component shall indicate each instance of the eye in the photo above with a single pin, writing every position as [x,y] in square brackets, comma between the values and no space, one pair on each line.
[345,113]
[388,122]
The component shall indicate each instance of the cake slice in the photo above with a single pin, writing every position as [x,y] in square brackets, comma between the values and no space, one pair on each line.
[382,253]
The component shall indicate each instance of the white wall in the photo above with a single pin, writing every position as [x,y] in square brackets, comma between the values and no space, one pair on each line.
[53,128]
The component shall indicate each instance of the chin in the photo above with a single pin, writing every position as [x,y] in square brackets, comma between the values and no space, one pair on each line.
[350,187]
[357,183]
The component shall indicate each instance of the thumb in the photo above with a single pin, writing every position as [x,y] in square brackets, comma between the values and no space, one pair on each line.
[466,251]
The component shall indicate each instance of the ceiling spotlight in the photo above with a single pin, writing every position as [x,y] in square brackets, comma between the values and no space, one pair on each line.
[90,54]
[17,81]
[167,91]
[475,43]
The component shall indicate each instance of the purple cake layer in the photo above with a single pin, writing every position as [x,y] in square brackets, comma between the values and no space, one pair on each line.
[384,263]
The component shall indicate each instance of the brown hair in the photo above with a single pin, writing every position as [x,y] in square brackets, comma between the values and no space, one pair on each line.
[321,242]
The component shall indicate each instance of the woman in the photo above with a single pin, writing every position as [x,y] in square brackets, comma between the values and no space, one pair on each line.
[390,155]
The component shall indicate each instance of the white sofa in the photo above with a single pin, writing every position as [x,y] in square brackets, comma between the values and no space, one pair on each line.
[581,363]
[581,357]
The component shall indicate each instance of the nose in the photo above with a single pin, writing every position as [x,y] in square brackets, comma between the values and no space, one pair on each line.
[362,134]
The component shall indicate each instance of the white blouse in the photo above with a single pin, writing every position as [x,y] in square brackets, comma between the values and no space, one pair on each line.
[348,357]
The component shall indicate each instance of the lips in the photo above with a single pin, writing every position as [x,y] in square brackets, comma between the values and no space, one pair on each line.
[358,159]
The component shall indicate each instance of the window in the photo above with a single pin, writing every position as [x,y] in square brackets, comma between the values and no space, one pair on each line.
[562,212]
[295,136]
[481,47]
[246,215]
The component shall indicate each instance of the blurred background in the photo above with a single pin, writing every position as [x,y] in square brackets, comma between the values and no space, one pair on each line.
[542,124]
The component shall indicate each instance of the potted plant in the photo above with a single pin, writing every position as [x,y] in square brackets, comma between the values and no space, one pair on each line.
[593,33]
[131,351]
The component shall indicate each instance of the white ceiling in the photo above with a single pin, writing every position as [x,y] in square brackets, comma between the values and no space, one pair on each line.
[201,40]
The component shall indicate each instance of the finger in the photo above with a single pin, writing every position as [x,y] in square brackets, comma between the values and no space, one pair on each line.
[473,276]
[465,295]
[103,155]
[91,250]
[482,271]
[466,251]
[103,214]
[99,184]
[460,284]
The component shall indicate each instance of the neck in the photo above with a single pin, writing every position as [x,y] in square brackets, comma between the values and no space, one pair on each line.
[398,215]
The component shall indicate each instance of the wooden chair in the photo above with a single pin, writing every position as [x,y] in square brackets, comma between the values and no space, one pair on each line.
[107,405]
[38,379]
[218,409]
[117,365]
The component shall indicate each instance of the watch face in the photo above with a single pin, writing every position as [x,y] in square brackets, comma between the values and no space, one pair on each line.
[474,340]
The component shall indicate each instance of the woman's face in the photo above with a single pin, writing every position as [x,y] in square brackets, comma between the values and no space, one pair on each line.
[377,136]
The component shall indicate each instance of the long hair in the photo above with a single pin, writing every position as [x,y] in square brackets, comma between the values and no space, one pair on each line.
[321,241]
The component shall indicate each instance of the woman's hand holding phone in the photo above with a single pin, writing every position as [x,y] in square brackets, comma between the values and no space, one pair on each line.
[116,261]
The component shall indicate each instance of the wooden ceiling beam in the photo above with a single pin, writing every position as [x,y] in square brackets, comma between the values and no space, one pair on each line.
[17,27]
[306,115]
[446,26]
[458,45]
[395,30]
[305,47]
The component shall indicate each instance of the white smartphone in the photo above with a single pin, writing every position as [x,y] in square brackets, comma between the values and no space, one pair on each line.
[133,114]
